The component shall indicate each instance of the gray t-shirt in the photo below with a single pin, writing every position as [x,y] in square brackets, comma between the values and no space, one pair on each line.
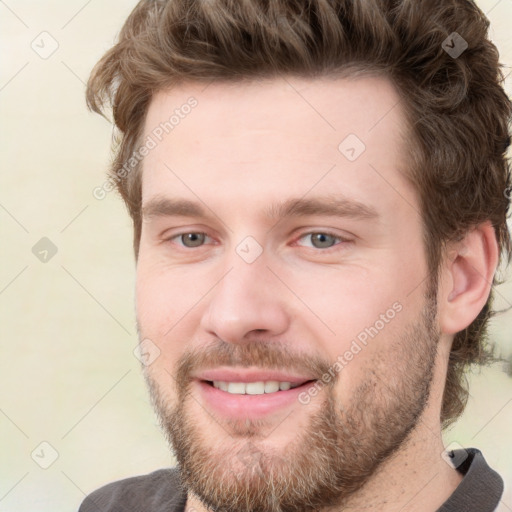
[479,491]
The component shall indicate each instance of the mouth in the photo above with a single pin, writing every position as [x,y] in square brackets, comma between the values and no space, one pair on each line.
[255,388]
[250,400]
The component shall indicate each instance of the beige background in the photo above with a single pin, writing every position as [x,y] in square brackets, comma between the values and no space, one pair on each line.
[68,374]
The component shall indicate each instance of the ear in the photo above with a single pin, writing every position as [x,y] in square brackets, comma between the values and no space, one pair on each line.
[467,278]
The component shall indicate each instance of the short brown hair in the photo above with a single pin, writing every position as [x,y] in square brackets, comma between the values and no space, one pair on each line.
[457,110]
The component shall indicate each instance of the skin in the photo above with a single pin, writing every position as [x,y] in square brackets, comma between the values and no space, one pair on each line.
[246,146]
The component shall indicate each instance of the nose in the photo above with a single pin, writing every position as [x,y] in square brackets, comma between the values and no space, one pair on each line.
[248,299]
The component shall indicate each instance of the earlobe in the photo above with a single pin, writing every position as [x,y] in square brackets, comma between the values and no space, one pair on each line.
[468,278]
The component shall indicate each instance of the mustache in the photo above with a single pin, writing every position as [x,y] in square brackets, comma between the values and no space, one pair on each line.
[263,354]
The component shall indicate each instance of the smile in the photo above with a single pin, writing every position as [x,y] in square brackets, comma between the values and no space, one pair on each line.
[250,400]
[254,388]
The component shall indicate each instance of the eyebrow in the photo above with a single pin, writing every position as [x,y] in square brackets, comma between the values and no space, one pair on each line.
[335,206]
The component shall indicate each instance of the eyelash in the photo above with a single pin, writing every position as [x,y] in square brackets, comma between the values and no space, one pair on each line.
[334,247]
[340,239]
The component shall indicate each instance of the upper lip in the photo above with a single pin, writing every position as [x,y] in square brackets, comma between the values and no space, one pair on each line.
[245,375]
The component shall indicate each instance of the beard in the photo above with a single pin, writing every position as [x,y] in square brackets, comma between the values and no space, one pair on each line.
[324,463]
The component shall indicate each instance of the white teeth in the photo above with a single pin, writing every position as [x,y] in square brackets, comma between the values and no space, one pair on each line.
[236,388]
[271,386]
[253,388]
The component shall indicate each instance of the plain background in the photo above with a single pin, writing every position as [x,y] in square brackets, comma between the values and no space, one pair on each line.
[69,377]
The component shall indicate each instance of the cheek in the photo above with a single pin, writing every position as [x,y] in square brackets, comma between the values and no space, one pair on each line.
[367,312]
[347,300]
[164,292]
[369,358]
[168,306]
[159,310]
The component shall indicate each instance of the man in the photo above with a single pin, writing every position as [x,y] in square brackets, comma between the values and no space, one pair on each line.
[319,197]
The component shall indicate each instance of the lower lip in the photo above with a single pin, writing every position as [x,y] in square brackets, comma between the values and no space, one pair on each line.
[249,406]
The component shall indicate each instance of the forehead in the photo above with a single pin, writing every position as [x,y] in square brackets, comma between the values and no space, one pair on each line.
[322,105]
[282,134]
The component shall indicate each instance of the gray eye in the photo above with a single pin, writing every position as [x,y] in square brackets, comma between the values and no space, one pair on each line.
[322,240]
[192,239]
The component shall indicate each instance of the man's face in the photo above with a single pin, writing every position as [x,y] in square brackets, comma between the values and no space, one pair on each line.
[277,248]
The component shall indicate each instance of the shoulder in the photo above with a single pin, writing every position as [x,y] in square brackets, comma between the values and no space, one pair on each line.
[156,492]
[481,487]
